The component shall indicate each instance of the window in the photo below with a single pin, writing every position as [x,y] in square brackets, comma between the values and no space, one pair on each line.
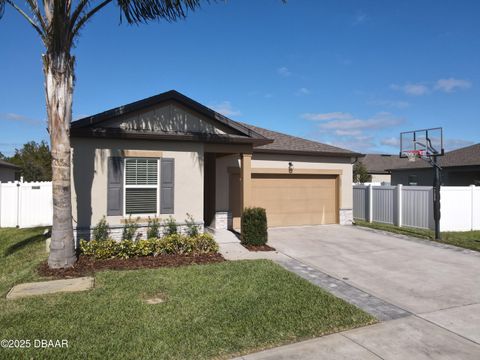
[141,186]
[412,180]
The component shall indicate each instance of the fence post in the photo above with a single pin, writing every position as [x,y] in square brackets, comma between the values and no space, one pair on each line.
[19,199]
[472,205]
[370,203]
[399,202]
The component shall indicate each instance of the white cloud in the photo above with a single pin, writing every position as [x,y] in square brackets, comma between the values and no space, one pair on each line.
[398,104]
[360,18]
[302,91]
[225,108]
[391,141]
[343,132]
[452,144]
[347,131]
[412,89]
[452,84]
[327,116]
[283,71]
[20,118]
[379,121]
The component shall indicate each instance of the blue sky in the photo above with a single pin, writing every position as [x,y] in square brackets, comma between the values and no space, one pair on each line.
[349,73]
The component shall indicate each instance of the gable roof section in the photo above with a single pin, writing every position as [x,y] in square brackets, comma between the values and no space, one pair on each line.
[467,156]
[6,164]
[92,125]
[283,143]
[381,163]
[262,139]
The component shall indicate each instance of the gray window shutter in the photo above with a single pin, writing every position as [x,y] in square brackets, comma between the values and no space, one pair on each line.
[115,186]
[167,186]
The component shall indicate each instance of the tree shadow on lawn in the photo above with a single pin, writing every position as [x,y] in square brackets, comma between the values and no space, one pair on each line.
[21,244]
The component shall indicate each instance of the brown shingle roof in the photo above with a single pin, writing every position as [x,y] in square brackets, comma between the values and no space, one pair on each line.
[381,163]
[292,144]
[467,156]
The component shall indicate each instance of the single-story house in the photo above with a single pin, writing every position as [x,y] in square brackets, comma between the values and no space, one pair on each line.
[8,171]
[379,165]
[460,167]
[169,155]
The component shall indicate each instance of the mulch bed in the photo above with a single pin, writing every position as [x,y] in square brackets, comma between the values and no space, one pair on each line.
[87,265]
[259,247]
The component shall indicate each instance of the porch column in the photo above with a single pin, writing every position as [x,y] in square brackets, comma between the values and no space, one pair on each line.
[246,180]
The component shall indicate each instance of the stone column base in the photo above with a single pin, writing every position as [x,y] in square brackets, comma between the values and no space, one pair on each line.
[223,220]
[346,216]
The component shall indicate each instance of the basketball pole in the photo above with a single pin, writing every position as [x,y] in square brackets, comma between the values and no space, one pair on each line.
[436,197]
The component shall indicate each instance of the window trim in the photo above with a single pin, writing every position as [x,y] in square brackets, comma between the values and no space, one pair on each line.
[157,213]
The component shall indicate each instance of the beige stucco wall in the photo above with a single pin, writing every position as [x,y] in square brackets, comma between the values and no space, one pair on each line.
[89,188]
[281,161]
[381,178]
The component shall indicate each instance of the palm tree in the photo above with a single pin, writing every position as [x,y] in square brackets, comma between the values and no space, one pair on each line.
[58,23]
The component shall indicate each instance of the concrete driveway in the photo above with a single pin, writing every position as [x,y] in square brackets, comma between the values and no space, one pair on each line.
[438,285]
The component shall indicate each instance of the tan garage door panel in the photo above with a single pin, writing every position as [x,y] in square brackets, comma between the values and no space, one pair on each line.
[293,199]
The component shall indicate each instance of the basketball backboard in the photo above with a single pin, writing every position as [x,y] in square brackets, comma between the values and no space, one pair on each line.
[423,143]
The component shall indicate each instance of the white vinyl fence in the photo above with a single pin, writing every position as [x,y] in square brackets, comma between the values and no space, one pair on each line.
[25,204]
[412,206]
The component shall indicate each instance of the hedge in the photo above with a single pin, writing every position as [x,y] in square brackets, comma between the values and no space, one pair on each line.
[175,244]
[254,226]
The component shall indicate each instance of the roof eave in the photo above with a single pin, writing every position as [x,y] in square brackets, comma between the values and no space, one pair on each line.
[194,137]
[307,153]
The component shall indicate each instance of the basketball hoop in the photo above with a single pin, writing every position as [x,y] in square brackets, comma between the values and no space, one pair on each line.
[412,155]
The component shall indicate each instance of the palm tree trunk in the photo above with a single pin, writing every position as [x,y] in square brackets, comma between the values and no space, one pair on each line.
[58,70]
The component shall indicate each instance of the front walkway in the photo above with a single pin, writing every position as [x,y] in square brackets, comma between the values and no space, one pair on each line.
[432,292]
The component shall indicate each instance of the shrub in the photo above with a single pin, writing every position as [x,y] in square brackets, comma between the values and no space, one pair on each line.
[254,226]
[175,244]
[129,229]
[101,232]
[192,227]
[153,231]
[205,244]
[171,226]
[104,249]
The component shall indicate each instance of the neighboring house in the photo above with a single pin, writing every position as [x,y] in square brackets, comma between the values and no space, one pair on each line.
[460,167]
[8,171]
[169,155]
[379,165]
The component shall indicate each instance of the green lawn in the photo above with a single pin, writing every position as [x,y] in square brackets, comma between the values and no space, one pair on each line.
[214,310]
[465,239]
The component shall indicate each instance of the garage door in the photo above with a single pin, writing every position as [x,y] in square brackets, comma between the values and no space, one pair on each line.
[290,199]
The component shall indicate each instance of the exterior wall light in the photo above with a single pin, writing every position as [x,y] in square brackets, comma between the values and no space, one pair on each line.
[290,167]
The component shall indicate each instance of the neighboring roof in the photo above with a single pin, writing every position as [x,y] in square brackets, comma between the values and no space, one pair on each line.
[6,164]
[283,143]
[381,163]
[467,156]
[262,139]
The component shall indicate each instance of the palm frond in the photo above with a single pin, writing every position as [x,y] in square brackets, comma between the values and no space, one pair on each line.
[141,11]
[2,8]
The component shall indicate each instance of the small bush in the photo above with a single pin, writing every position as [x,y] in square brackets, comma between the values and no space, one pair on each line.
[192,227]
[104,249]
[129,229]
[153,231]
[254,226]
[101,232]
[175,244]
[171,226]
